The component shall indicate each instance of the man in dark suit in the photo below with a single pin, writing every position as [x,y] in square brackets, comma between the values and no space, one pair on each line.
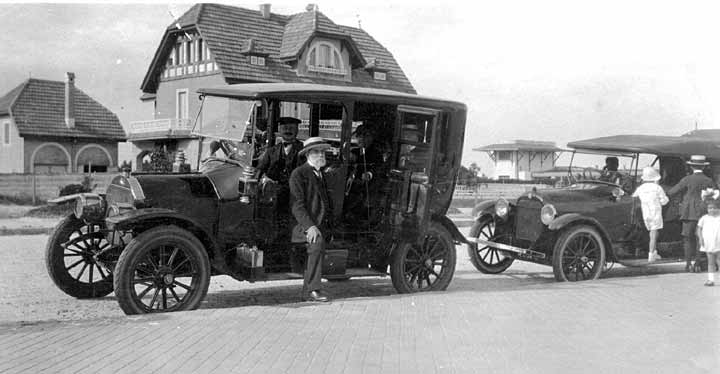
[278,161]
[312,209]
[365,183]
[691,207]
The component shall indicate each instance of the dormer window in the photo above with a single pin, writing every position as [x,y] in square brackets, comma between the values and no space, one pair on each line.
[257,60]
[323,57]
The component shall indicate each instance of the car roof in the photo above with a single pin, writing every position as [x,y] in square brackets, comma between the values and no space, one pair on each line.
[680,146]
[329,93]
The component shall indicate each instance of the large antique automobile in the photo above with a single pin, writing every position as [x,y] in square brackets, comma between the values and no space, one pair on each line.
[156,239]
[581,228]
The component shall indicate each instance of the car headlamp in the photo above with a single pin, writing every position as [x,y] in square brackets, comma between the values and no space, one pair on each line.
[90,208]
[547,214]
[501,208]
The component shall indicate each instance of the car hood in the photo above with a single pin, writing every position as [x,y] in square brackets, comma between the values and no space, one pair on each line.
[574,195]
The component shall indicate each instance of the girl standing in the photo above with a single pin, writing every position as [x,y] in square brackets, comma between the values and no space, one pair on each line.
[652,198]
[708,233]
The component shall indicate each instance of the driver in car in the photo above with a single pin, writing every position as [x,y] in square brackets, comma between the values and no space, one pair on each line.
[611,174]
[278,161]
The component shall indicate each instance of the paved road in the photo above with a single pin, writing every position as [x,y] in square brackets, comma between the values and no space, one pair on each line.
[655,320]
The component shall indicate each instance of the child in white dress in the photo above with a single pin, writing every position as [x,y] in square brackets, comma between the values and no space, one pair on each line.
[652,198]
[708,233]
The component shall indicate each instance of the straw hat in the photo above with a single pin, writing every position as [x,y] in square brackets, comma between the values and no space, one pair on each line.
[315,142]
[698,160]
[650,174]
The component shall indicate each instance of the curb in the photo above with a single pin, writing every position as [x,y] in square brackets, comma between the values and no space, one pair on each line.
[4,231]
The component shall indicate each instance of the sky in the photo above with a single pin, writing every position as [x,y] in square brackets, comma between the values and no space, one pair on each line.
[534,70]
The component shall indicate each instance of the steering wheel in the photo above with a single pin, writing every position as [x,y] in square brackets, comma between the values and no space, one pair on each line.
[224,160]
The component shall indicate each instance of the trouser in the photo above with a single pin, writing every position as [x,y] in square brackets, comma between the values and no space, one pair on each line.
[313,267]
[689,240]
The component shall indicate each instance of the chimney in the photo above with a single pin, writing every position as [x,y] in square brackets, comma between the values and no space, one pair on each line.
[265,10]
[312,7]
[69,100]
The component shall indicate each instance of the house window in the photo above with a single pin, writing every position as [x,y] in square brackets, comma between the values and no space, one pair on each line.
[183,57]
[323,57]
[379,76]
[173,57]
[257,60]
[6,133]
[182,104]
[206,51]
[189,51]
[504,155]
[200,46]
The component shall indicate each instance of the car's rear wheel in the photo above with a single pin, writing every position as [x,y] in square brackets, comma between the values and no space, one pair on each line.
[579,254]
[428,266]
[164,269]
[486,259]
[70,258]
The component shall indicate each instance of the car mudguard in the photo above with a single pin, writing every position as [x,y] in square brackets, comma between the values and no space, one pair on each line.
[149,217]
[451,228]
[484,207]
[570,218]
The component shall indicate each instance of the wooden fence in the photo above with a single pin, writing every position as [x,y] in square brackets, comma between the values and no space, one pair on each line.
[42,187]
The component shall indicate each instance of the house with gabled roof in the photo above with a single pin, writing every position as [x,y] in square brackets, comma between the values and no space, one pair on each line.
[216,44]
[521,159]
[54,127]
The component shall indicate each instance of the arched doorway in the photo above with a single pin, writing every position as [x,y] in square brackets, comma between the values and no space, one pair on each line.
[93,158]
[50,158]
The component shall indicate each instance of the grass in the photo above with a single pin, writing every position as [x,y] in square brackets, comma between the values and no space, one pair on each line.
[50,211]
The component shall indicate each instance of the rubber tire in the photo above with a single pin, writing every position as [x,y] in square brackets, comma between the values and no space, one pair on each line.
[560,245]
[475,257]
[55,264]
[136,249]
[397,271]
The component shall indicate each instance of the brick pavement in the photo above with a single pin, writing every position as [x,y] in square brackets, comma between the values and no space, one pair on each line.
[654,320]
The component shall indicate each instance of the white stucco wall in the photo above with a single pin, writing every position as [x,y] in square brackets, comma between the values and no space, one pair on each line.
[11,155]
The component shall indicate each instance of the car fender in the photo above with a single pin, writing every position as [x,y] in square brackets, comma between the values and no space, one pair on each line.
[451,228]
[150,217]
[484,207]
[571,218]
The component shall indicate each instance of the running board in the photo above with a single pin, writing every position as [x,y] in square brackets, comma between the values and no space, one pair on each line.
[507,247]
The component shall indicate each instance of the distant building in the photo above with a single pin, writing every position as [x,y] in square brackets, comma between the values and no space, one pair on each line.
[54,127]
[215,44]
[521,158]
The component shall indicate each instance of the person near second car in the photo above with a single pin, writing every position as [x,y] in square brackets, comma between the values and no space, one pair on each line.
[708,233]
[691,207]
[652,198]
[312,208]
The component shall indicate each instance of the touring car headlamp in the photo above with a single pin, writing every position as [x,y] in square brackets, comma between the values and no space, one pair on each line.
[547,214]
[90,208]
[501,208]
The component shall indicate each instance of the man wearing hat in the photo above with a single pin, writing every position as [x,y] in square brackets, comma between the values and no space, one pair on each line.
[278,161]
[369,176]
[691,207]
[312,208]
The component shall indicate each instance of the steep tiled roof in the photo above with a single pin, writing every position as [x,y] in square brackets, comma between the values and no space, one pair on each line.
[227,29]
[7,100]
[39,109]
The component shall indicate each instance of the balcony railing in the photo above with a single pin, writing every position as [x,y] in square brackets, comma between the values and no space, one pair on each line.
[139,127]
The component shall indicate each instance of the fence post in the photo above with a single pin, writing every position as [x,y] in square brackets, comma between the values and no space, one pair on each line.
[34,189]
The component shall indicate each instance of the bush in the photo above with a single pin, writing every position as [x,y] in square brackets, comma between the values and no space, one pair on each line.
[85,186]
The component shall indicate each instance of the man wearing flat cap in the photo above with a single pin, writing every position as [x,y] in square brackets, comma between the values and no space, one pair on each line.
[278,161]
[312,208]
[369,176]
[691,207]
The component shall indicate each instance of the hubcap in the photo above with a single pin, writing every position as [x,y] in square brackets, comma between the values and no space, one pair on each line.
[168,279]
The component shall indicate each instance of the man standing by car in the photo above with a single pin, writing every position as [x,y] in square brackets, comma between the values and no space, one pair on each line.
[691,207]
[278,161]
[312,209]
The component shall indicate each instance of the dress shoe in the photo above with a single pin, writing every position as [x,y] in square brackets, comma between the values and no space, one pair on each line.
[688,268]
[316,296]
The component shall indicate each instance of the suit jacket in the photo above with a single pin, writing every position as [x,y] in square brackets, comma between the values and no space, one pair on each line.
[691,207]
[309,201]
[278,166]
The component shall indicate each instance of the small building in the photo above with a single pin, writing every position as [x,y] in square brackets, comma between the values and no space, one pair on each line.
[521,158]
[54,127]
[217,44]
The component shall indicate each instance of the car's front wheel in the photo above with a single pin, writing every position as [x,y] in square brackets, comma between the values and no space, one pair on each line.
[579,254]
[428,266]
[164,269]
[486,259]
[71,259]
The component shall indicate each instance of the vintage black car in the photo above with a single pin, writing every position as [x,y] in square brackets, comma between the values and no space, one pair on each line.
[155,239]
[581,228]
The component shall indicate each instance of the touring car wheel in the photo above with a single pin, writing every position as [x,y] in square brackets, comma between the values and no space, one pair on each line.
[71,262]
[425,267]
[579,254]
[486,259]
[164,269]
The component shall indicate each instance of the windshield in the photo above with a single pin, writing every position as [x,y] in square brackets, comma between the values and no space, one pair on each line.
[224,118]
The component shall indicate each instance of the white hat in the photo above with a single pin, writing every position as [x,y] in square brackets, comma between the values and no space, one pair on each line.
[698,160]
[315,142]
[650,174]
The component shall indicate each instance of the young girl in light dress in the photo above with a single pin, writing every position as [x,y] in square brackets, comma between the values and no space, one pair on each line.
[652,198]
[708,233]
